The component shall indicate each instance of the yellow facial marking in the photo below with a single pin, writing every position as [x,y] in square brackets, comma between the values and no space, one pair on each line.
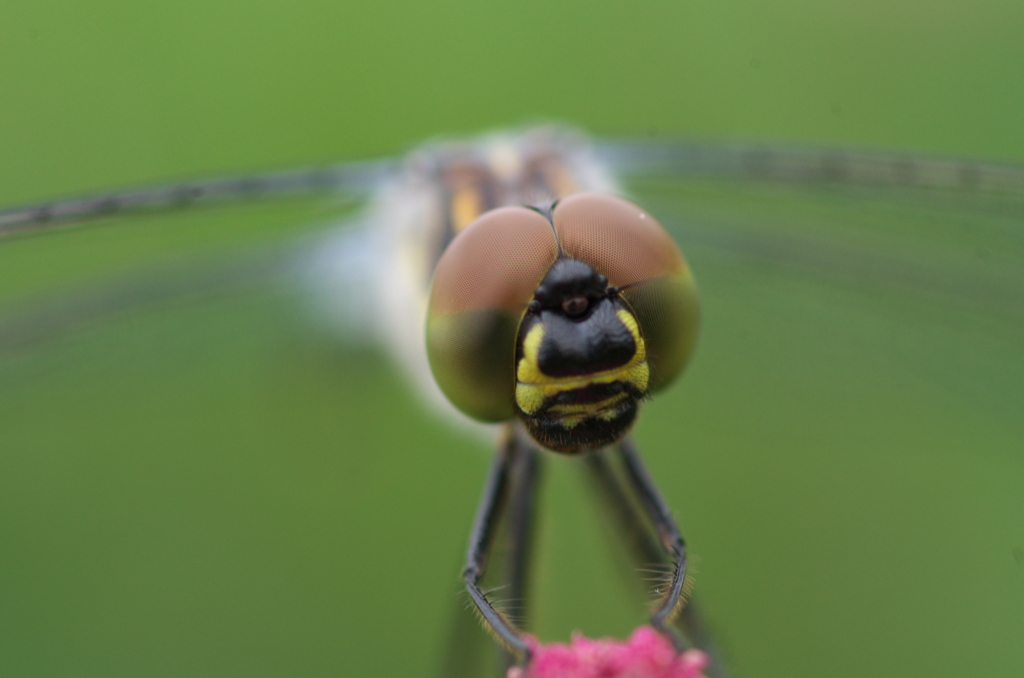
[529,398]
[534,388]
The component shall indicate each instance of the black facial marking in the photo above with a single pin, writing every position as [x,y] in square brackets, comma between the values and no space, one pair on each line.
[570,278]
[573,347]
[582,333]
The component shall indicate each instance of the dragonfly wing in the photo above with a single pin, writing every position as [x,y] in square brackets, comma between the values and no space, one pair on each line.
[153,244]
[807,165]
[357,179]
[945,228]
[31,324]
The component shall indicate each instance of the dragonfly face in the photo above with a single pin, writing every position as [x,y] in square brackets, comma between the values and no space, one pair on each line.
[563,316]
[581,363]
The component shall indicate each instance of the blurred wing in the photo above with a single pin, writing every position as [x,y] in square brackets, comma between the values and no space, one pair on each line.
[353,179]
[149,246]
[808,165]
[946,229]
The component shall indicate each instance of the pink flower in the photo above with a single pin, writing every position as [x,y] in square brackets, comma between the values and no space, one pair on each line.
[647,654]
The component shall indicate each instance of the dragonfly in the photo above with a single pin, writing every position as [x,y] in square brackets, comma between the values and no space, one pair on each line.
[374,277]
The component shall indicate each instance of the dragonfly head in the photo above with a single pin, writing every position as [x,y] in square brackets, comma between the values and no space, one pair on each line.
[565,318]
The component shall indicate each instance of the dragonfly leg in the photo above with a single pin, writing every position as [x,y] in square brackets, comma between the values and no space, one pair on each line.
[525,474]
[496,493]
[658,513]
[620,497]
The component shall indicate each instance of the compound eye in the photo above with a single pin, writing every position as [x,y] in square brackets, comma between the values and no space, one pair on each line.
[575,306]
[617,238]
[483,283]
[644,268]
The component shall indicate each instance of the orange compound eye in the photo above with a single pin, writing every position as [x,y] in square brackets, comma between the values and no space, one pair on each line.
[483,283]
[631,248]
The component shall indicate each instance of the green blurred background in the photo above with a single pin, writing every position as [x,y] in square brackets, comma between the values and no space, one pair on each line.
[213,485]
